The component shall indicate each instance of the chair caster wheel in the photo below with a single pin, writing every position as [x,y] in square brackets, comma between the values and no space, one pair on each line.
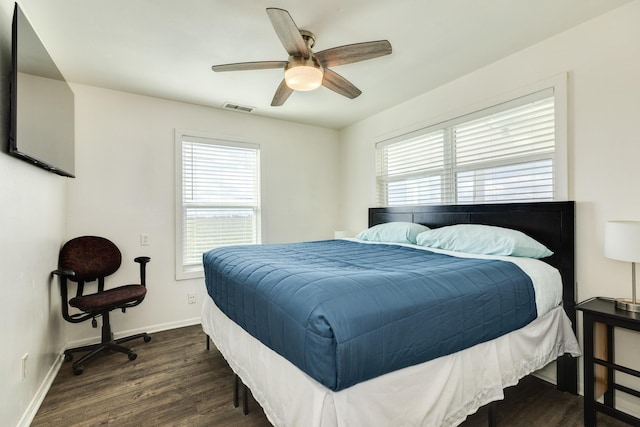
[147,338]
[132,356]
[68,357]
[78,370]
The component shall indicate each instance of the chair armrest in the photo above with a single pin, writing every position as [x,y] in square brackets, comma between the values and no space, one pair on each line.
[143,260]
[65,273]
[73,318]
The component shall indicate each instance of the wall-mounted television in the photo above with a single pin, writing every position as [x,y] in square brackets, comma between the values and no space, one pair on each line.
[42,104]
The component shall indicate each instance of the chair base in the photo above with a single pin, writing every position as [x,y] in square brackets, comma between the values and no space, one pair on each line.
[107,344]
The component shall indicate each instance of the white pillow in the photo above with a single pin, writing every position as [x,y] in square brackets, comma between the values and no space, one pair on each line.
[393,232]
[483,239]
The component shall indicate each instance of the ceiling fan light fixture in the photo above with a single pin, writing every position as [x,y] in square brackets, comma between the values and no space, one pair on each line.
[303,74]
[304,70]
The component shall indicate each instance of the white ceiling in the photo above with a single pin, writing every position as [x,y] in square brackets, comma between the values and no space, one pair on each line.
[165,48]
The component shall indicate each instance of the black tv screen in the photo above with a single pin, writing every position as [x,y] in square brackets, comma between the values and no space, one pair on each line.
[42,104]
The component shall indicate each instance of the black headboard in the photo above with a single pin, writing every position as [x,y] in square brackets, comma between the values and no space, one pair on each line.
[550,223]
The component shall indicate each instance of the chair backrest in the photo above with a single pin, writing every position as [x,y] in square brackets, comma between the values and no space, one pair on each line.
[90,257]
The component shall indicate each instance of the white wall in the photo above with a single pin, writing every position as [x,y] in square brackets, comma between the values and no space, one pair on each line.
[32,226]
[602,59]
[125,185]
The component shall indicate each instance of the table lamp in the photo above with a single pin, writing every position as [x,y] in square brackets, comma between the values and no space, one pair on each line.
[622,242]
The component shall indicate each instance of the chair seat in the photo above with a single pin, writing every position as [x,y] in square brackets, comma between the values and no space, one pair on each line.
[109,298]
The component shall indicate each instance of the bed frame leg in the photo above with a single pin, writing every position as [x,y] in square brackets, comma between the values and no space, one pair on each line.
[236,395]
[492,420]
[245,400]
[235,391]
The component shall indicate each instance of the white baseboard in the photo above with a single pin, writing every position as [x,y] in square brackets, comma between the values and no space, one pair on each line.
[31,411]
[548,373]
[628,404]
[149,329]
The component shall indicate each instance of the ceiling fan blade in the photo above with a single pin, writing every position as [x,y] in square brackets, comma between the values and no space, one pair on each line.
[353,53]
[288,32]
[339,84]
[245,66]
[282,93]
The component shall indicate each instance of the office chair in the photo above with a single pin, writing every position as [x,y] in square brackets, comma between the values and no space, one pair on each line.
[85,259]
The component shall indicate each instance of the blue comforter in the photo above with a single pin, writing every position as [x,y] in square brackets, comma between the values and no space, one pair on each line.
[345,312]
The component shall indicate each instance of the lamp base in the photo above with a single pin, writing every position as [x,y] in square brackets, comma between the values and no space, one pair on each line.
[628,305]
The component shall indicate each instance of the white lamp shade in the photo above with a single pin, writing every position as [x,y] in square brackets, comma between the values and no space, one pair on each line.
[622,240]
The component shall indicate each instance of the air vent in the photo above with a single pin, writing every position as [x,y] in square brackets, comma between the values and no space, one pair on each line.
[236,107]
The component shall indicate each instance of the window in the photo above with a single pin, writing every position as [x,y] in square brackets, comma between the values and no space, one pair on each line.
[218,198]
[506,153]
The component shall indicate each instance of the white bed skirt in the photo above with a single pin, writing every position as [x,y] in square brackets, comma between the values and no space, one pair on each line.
[440,392]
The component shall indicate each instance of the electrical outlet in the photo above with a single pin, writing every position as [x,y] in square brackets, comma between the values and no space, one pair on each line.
[191,297]
[24,365]
[144,239]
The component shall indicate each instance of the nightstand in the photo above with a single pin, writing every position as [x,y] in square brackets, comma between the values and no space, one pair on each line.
[600,318]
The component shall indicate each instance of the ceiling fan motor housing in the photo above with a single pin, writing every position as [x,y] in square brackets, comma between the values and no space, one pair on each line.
[308,37]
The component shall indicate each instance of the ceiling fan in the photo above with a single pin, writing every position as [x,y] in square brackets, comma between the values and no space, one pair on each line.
[306,70]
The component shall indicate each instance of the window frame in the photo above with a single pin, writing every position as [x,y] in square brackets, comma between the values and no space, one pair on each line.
[557,88]
[182,271]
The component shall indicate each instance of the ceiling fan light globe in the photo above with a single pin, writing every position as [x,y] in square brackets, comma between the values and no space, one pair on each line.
[303,74]
[303,78]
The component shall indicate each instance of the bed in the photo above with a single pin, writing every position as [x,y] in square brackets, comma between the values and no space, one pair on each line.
[371,384]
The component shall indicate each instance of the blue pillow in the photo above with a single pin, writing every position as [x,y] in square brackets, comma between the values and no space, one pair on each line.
[393,232]
[483,239]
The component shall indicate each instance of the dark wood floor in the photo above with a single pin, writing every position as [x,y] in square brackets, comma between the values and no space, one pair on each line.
[175,381]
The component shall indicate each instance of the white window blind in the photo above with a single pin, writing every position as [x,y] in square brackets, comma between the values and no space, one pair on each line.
[502,154]
[220,198]
[412,172]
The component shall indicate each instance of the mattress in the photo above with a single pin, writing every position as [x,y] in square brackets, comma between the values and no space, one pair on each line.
[440,392]
[345,312]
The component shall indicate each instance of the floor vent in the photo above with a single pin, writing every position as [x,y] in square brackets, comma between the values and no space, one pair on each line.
[236,107]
